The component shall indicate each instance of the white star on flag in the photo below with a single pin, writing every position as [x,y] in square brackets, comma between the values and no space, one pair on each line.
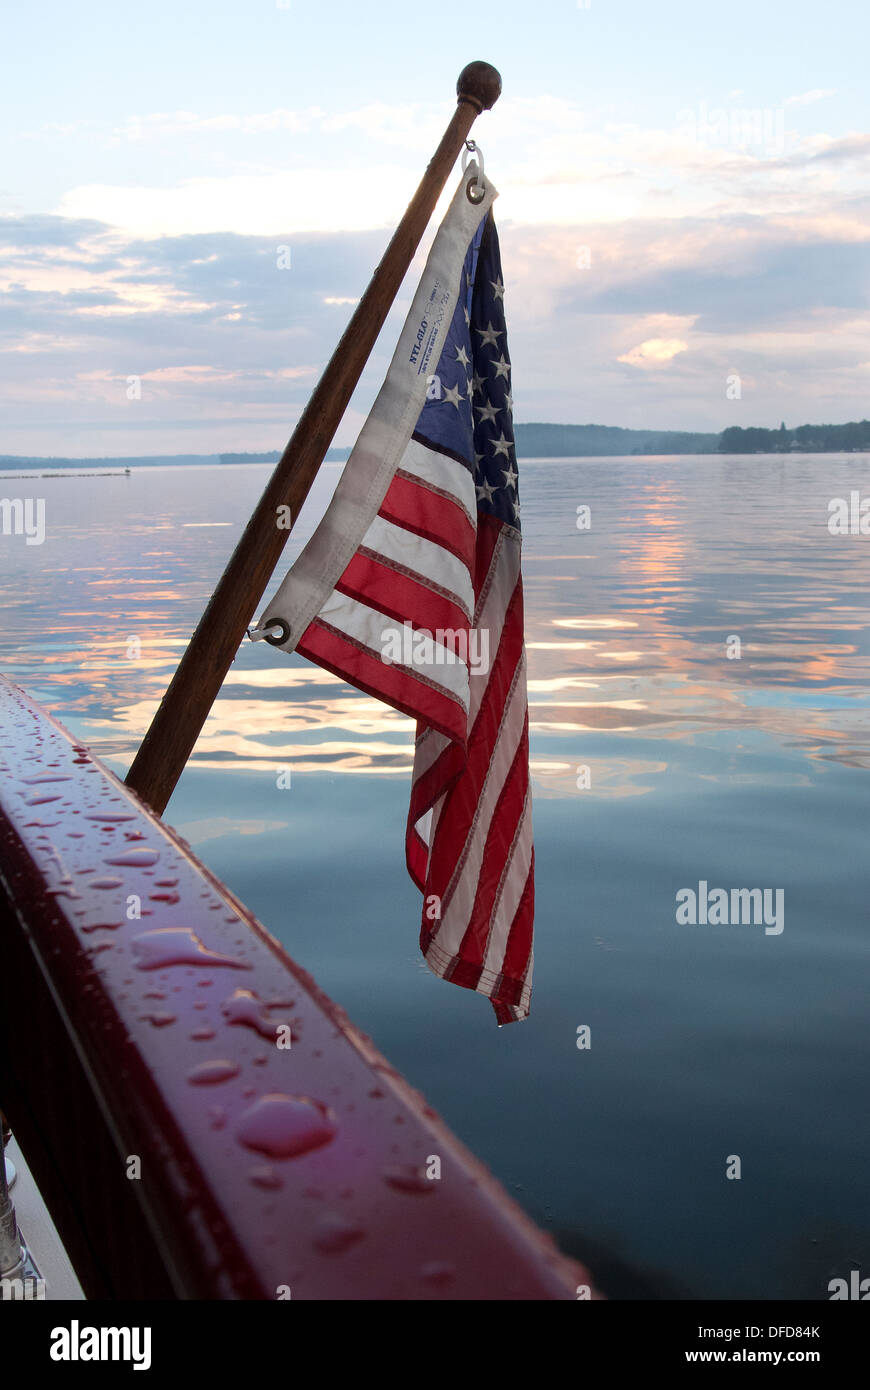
[489,335]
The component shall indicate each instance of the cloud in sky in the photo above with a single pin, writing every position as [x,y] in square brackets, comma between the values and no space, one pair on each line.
[551,158]
[643,266]
[654,352]
[808,98]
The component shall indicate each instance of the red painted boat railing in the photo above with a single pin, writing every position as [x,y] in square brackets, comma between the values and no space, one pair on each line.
[202,1120]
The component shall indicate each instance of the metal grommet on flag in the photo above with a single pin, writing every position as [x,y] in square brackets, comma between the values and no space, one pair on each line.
[268,633]
[277,639]
[475,189]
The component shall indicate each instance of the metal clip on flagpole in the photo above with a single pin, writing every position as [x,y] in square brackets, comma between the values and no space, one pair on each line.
[475,189]
[184,709]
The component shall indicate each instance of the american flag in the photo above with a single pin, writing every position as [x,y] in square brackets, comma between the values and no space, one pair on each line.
[428,617]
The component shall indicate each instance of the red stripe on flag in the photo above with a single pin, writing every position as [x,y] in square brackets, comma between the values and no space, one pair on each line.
[400,687]
[412,505]
[397,595]
[416,857]
[496,858]
[427,788]
[462,801]
[519,945]
[463,972]
[432,783]
[488,532]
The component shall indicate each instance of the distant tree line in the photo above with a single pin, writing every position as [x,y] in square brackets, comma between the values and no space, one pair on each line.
[808,439]
[576,441]
[333,455]
[269,456]
[540,440]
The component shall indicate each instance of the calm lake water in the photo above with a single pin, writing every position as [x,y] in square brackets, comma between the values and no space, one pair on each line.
[749,770]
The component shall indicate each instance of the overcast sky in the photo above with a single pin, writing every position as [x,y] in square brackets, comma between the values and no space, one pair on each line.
[684,193]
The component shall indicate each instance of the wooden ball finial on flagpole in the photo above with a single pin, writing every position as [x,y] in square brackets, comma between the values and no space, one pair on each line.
[193,689]
[480,85]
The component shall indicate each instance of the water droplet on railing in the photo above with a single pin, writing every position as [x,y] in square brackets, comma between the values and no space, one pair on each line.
[177,946]
[212,1073]
[406,1178]
[245,1008]
[334,1234]
[286,1126]
[264,1175]
[135,858]
[438,1273]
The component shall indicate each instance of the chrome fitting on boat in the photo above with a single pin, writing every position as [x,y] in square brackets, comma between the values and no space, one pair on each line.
[12,1252]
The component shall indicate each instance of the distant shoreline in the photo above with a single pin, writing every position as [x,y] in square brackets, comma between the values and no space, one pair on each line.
[102,473]
[541,441]
[71,469]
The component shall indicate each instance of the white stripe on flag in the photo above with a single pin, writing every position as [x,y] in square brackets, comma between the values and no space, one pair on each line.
[491,617]
[367,627]
[417,556]
[520,860]
[429,748]
[443,473]
[461,892]
[424,826]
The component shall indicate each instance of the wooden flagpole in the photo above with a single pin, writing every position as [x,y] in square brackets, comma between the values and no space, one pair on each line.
[184,708]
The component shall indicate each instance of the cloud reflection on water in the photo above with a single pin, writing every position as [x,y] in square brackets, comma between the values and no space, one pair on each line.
[672,566]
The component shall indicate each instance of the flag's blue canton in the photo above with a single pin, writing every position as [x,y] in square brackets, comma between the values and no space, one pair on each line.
[494,455]
[474,372]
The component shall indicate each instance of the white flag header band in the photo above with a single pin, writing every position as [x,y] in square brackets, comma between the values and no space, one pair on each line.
[386,433]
